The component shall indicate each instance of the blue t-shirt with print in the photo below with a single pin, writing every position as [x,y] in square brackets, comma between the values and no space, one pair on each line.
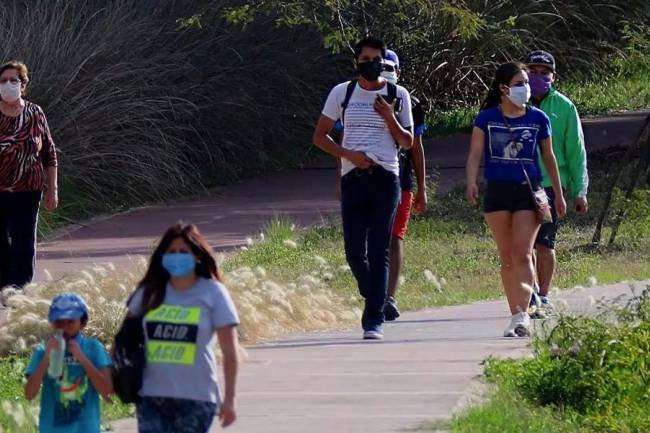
[513,144]
[71,403]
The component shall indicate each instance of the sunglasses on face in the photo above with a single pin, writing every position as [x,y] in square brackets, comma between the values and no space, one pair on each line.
[13,81]
[389,68]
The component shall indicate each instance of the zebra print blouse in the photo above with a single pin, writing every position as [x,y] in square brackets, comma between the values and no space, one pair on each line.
[26,150]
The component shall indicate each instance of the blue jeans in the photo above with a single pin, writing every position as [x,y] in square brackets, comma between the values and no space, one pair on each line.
[18,218]
[174,415]
[369,200]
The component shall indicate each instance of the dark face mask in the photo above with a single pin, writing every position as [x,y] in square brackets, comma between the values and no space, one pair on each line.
[370,70]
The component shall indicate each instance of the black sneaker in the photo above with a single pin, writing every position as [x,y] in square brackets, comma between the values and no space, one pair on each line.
[391,312]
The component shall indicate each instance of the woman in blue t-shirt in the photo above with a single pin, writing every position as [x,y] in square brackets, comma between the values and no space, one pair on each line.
[512,135]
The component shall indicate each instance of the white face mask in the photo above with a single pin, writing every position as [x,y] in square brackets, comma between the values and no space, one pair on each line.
[519,95]
[391,77]
[10,92]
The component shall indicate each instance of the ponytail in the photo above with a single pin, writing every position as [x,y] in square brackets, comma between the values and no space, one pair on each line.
[493,97]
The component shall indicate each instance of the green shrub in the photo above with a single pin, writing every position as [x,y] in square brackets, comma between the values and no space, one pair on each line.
[597,366]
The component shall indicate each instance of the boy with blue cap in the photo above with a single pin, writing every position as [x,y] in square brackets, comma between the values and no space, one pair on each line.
[70,402]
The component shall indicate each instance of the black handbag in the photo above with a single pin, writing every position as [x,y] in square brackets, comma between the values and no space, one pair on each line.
[129,360]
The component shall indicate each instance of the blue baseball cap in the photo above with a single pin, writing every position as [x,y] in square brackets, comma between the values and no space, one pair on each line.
[67,306]
[391,56]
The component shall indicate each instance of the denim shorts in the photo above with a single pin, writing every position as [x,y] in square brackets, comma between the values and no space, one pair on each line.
[174,415]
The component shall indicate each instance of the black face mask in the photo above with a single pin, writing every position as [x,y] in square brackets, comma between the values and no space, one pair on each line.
[370,70]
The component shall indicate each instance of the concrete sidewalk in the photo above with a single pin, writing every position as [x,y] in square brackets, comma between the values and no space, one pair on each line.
[307,196]
[333,382]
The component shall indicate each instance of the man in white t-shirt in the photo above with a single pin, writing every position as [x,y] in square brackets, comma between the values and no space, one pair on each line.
[378,121]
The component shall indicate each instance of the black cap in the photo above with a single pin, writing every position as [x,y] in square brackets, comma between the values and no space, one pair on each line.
[541,58]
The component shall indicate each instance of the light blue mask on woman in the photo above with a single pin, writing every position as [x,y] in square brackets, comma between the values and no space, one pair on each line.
[178,264]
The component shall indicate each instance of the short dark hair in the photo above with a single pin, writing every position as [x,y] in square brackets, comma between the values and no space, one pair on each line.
[370,42]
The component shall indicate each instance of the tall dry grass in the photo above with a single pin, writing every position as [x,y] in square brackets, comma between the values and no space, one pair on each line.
[267,308]
[143,109]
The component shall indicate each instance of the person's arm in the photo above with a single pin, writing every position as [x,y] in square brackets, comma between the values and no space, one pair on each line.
[52,192]
[473,164]
[576,156]
[339,193]
[50,162]
[420,174]
[402,136]
[100,378]
[551,168]
[35,379]
[324,141]
[228,342]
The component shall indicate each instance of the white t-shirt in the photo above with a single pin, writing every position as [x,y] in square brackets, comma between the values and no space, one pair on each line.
[365,130]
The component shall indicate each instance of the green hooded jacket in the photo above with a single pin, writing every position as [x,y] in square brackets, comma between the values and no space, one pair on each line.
[568,144]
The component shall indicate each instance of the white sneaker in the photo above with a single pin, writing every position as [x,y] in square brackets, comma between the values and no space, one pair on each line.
[519,326]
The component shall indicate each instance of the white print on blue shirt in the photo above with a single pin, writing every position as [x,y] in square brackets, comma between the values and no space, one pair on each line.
[512,144]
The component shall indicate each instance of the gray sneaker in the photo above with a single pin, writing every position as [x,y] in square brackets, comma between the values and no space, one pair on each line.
[374,333]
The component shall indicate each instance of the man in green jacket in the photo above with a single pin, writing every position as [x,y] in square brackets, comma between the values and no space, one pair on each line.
[569,149]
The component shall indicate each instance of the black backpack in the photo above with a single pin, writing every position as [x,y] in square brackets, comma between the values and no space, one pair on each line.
[129,360]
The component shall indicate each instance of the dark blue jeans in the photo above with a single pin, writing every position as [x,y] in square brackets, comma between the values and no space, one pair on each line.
[174,415]
[368,204]
[18,218]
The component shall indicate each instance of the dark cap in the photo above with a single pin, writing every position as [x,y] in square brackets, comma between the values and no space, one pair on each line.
[541,58]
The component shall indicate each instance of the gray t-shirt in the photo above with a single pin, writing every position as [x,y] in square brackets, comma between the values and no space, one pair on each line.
[180,337]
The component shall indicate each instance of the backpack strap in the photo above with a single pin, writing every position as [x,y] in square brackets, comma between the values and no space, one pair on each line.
[348,94]
[392,92]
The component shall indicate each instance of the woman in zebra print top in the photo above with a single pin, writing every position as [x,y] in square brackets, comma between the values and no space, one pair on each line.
[28,166]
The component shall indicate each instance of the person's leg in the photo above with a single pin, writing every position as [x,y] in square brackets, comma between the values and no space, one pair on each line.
[5,204]
[546,262]
[152,416]
[385,198]
[400,226]
[193,416]
[355,231]
[525,225]
[546,265]
[500,223]
[21,223]
[391,310]
[395,265]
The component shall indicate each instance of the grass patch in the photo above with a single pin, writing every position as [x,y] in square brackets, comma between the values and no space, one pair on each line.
[509,412]
[609,94]
[450,256]
[588,374]
[20,416]
[592,96]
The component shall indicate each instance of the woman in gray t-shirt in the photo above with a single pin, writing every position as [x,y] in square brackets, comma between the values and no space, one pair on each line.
[184,306]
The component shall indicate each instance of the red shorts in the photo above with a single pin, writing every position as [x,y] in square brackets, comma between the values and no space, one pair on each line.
[403,215]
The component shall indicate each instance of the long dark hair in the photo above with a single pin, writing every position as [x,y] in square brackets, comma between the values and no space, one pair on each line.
[502,76]
[155,280]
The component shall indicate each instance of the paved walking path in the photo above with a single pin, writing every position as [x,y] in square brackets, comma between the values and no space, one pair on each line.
[333,382]
[306,195]
[328,382]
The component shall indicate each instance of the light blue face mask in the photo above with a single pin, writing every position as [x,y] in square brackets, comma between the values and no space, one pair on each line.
[179,264]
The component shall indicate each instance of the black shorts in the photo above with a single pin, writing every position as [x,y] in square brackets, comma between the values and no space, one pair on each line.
[507,196]
[548,231]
